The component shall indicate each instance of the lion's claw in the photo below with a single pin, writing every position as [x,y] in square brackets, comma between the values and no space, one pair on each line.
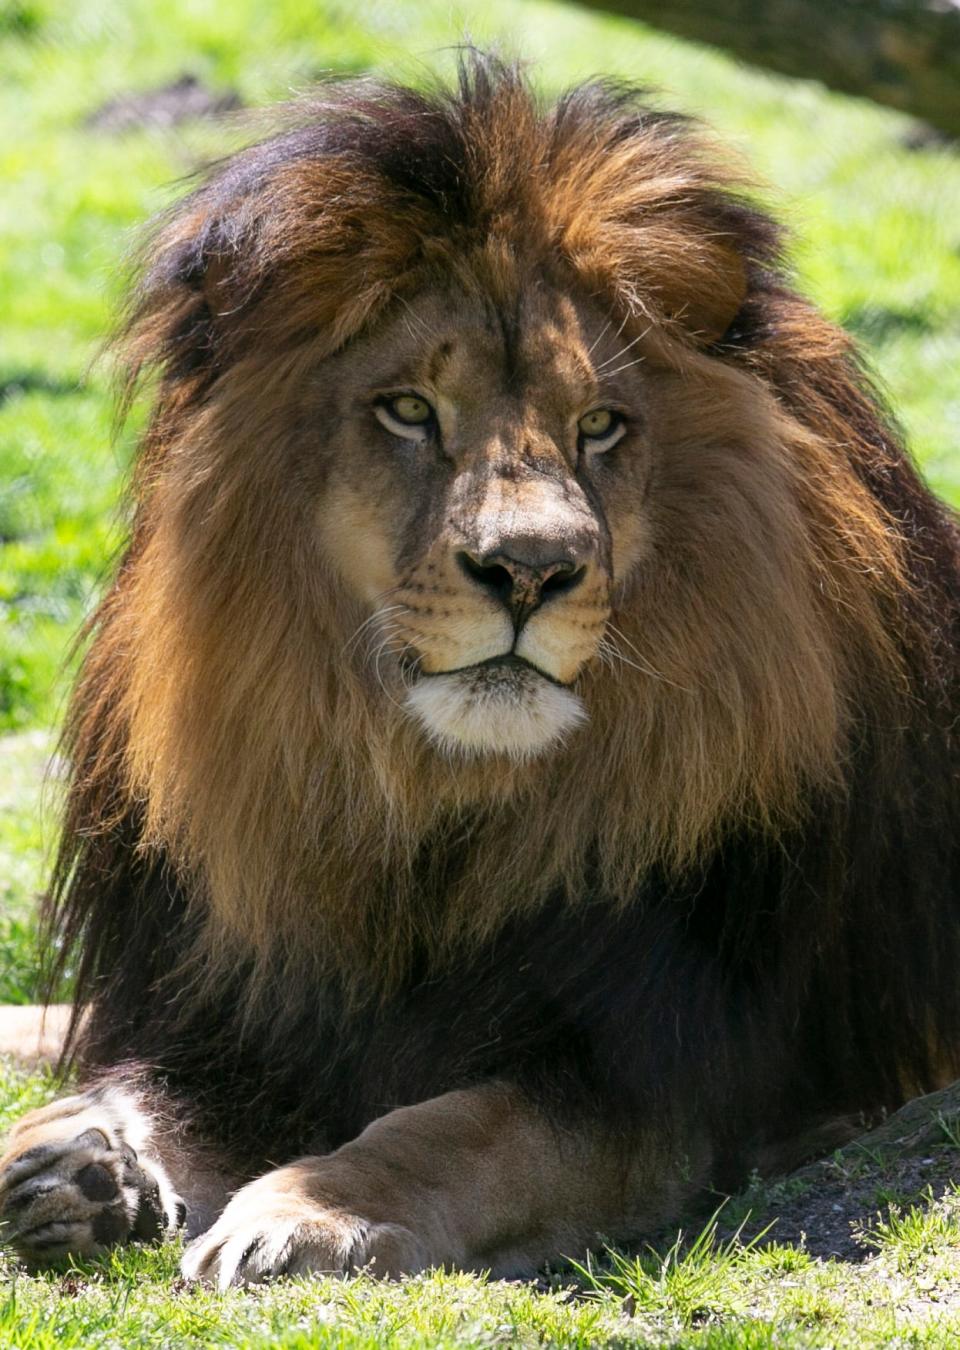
[266,1232]
[285,1245]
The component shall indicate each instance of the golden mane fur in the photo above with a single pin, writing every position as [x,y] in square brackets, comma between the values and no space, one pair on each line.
[223,695]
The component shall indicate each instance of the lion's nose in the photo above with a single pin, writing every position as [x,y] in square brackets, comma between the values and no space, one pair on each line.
[521,583]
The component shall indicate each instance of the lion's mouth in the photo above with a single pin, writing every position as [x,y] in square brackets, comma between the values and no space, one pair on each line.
[506,669]
[503,705]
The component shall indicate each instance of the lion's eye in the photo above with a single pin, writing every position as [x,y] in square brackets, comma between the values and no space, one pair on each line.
[600,429]
[406,415]
[411,409]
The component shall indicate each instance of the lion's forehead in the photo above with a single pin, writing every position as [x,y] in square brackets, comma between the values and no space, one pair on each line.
[478,358]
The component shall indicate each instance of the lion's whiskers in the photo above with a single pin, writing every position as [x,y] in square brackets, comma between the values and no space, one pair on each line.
[593,344]
[606,654]
[389,635]
[377,657]
[412,317]
[366,624]
[609,374]
[404,671]
[623,351]
[609,645]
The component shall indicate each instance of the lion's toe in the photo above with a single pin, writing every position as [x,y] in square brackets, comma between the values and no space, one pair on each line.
[76,1195]
[263,1235]
[274,1246]
[80,1195]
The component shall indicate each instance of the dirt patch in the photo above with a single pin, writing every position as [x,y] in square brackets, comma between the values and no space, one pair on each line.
[183,100]
[829,1206]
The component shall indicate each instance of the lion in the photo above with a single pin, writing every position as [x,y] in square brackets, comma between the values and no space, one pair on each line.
[514,782]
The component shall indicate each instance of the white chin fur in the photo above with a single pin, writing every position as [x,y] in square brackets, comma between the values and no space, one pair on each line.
[489,711]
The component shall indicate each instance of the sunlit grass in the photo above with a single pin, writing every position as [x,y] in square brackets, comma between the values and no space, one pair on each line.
[911,1233]
[24,842]
[693,1280]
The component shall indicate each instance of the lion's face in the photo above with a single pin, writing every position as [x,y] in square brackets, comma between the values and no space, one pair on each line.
[484,496]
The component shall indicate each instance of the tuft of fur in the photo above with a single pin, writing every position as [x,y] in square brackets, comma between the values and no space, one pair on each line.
[785,667]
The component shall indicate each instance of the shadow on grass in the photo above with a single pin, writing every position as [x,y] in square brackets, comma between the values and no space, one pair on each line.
[17,383]
[878,323]
[18,19]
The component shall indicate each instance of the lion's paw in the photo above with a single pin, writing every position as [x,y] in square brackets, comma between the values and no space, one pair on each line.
[266,1232]
[71,1183]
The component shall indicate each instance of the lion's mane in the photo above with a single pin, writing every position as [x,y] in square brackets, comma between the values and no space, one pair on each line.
[247,816]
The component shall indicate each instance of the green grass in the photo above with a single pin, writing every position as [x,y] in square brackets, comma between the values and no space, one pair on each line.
[877,244]
[912,1234]
[24,844]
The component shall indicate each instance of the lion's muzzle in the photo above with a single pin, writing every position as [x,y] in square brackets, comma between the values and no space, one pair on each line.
[522,553]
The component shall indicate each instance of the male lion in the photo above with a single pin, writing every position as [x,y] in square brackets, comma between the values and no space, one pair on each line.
[515,778]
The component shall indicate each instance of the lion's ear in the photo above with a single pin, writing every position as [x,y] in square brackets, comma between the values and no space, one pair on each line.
[190,307]
[704,295]
[207,259]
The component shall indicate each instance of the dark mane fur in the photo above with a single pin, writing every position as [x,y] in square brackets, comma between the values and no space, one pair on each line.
[802,967]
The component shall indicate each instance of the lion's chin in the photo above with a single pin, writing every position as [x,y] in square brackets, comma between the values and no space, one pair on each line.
[495,710]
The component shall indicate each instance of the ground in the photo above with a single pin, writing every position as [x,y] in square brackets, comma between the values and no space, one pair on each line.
[105,103]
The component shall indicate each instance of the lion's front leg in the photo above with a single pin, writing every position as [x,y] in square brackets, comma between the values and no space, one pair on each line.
[475,1179]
